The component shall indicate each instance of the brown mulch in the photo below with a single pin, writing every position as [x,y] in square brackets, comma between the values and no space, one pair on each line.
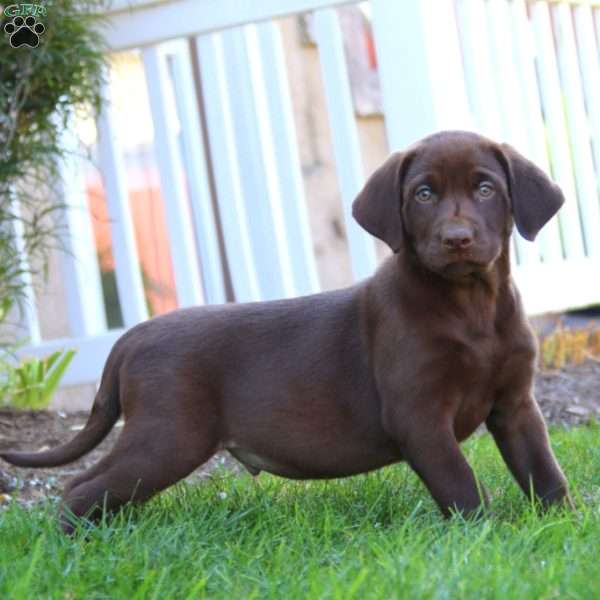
[569,397]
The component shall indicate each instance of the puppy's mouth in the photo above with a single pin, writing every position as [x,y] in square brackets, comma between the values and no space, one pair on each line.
[463,265]
[460,265]
[462,269]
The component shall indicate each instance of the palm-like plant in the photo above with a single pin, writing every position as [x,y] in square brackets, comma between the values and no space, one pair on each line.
[40,90]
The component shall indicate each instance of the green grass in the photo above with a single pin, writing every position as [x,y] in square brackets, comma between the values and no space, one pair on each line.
[372,536]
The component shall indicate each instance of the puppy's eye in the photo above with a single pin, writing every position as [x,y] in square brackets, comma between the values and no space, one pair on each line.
[424,194]
[485,190]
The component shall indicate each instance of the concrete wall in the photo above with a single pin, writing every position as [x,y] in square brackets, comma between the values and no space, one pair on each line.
[316,155]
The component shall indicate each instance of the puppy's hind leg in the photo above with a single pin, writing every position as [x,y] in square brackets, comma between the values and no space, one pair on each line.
[149,456]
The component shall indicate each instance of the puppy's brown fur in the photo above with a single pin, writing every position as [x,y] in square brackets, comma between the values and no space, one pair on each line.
[402,366]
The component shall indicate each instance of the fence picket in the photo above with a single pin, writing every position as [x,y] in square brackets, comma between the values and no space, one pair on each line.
[221,133]
[512,110]
[551,96]
[28,313]
[478,65]
[183,251]
[577,124]
[344,135]
[421,69]
[80,263]
[589,57]
[548,240]
[291,189]
[196,172]
[127,265]
[257,163]
[596,12]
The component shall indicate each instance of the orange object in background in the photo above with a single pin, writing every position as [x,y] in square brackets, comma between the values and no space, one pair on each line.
[147,211]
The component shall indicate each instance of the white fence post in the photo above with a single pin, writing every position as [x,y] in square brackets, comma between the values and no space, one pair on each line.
[589,57]
[549,239]
[255,153]
[28,310]
[345,136]
[177,211]
[596,11]
[558,138]
[512,108]
[127,266]
[492,75]
[578,128]
[197,173]
[226,172]
[80,261]
[479,67]
[422,79]
[291,188]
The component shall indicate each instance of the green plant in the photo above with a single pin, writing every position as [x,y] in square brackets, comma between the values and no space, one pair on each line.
[40,90]
[31,383]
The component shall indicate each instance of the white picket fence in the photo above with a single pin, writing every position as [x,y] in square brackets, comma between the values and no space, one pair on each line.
[523,72]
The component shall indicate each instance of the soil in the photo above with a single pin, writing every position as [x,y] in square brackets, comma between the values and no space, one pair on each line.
[568,397]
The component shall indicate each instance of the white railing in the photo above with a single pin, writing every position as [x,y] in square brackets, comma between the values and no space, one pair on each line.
[522,72]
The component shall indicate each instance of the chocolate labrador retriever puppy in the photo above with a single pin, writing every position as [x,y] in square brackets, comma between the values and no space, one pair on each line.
[402,366]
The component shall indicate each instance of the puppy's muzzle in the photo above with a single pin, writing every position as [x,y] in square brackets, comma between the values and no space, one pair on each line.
[457,236]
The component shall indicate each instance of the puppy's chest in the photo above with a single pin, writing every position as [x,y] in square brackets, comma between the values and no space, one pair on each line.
[471,367]
[454,356]
[475,358]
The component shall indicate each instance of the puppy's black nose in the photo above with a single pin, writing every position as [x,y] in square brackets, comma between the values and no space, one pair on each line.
[457,236]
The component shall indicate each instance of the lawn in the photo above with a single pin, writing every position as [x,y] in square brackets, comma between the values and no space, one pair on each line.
[371,536]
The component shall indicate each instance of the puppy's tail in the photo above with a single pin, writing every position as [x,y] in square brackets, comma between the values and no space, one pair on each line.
[105,412]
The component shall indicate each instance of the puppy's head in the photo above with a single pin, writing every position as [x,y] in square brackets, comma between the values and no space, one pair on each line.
[453,198]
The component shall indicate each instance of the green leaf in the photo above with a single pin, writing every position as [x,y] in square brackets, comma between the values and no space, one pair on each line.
[54,377]
[39,371]
[50,360]
[32,383]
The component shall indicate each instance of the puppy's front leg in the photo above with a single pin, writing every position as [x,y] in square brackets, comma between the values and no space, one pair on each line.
[520,433]
[434,454]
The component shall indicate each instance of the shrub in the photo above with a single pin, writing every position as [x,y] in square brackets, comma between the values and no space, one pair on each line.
[40,90]
[569,346]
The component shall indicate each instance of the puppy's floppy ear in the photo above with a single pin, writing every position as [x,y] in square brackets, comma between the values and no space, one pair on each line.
[377,206]
[535,198]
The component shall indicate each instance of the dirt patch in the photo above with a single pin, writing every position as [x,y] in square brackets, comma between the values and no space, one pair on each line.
[570,396]
[38,430]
